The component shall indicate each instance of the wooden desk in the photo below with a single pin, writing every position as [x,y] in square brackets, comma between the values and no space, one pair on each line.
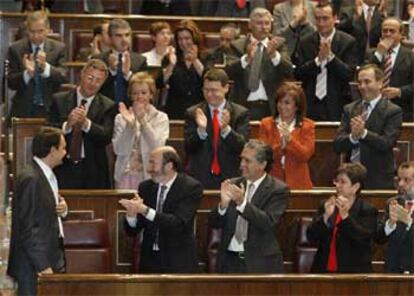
[117,284]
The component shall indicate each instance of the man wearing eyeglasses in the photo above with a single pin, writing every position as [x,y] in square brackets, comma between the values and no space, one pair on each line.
[215,133]
[86,118]
[397,225]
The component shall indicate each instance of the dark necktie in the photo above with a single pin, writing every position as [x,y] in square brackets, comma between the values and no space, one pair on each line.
[255,68]
[368,25]
[160,204]
[120,92]
[75,147]
[215,165]
[38,91]
[332,260]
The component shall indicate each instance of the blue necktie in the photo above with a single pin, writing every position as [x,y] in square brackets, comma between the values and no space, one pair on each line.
[38,91]
[120,92]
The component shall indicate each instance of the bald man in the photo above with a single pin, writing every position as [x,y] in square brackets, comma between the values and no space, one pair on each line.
[164,209]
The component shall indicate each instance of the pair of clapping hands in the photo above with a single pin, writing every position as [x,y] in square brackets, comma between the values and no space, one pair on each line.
[399,213]
[231,192]
[341,202]
[134,206]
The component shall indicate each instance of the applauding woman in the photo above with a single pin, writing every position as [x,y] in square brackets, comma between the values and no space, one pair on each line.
[291,135]
[137,131]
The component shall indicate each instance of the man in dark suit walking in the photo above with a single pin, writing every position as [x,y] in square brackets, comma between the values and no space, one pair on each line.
[164,209]
[369,129]
[397,227]
[122,62]
[325,63]
[263,64]
[397,63]
[86,118]
[36,68]
[36,245]
[248,213]
[215,133]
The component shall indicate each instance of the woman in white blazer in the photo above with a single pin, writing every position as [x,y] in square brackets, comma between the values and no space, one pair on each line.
[137,131]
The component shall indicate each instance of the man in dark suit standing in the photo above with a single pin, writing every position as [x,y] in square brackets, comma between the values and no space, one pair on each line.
[344,226]
[164,209]
[325,63]
[36,68]
[397,227]
[36,245]
[249,210]
[363,22]
[122,62]
[86,118]
[369,129]
[264,63]
[215,133]
[397,63]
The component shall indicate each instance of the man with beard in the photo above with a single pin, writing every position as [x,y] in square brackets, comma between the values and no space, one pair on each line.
[164,209]
[397,225]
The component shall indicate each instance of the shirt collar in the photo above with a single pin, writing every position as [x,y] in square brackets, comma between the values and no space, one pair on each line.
[220,108]
[41,47]
[373,102]
[395,49]
[330,37]
[366,7]
[256,183]
[169,183]
[80,97]
[45,168]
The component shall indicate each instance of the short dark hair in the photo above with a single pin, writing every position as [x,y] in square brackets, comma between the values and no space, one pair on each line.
[170,155]
[117,24]
[355,171]
[157,27]
[44,140]
[295,91]
[263,152]
[217,75]
[379,74]
[323,4]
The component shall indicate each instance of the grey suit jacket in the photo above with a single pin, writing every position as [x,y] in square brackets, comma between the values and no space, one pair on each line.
[282,15]
[55,56]
[262,251]
[384,127]
[271,75]
[35,243]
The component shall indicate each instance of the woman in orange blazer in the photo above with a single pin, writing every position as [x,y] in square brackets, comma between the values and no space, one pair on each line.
[291,135]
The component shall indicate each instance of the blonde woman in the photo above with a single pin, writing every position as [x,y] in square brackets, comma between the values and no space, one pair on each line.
[137,131]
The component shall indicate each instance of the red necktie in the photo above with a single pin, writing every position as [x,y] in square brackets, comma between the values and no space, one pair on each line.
[215,166]
[332,262]
[241,3]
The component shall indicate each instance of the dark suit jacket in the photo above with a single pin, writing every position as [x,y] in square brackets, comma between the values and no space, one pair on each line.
[384,126]
[200,152]
[402,76]
[175,224]
[358,29]
[399,255]
[138,63]
[23,99]
[340,71]
[271,76]
[230,9]
[262,251]
[175,7]
[35,243]
[353,239]
[101,113]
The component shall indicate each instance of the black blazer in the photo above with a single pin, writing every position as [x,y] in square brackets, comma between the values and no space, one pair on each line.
[262,250]
[101,112]
[384,126]
[353,238]
[340,71]
[175,225]
[138,64]
[271,76]
[23,99]
[35,243]
[358,29]
[200,152]
[399,255]
[402,76]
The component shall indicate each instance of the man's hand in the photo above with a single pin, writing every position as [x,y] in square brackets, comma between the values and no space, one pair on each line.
[61,207]
[29,64]
[393,215]
[274,43]
[391,92]
[384,46]
[237,193]
[225,119]
[251,50]
[324,50]
[126,63]
[45,271]
[225,196]
[112,61]
[358,8]
[357,127]
[41,60]
[200,119]
[134,206]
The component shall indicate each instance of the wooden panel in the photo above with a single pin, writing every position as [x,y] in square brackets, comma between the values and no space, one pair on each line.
[104,204]
[116,284]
